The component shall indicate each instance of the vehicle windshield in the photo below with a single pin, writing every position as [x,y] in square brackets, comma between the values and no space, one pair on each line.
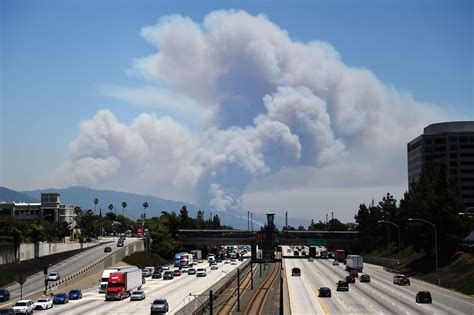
[2,291]
[60,295]
[114,285]
[20,304]
[201,269]
[74,291]
[160,302]
[42,301]
[104,279]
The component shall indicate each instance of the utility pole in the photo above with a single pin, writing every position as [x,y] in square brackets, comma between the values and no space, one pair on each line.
[238,289]
[251,221]
[248,221]
[326,221]
[332,215]
[281,288]
[286,220]
[210,302]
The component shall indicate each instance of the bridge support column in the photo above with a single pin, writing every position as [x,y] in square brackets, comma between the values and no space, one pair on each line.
[253,252]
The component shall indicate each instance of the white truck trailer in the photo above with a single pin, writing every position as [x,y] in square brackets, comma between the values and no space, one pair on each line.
[354,262]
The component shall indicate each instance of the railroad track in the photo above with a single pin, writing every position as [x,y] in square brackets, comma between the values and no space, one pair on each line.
[227,307]
[257,301]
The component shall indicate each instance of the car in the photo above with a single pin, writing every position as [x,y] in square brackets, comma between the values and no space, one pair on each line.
[107,249]
[342,285]
[201,272]
[4,294]
[296,272]
[75,294]
[288,250]
[137,295]
[214,266]
[156,275]
[7,311]
[303,253]
[350,279]
[24,307]
[227,261]
[296,253]
[177,273]
[159,306]
[364,278]
[354,274]
[191,271]
[61,298]
[184,270]
[424,297]
[146,272]
[324,292]
[165,267]
[310,259]
[120,243]
[54,276]
[335,263]
[233,262]
[200,261]
[168,275]
[401,280]
[44,303]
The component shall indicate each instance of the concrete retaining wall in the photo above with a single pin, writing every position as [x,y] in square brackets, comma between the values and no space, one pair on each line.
[31,250]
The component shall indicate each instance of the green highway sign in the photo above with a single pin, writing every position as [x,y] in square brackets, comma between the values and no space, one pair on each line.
[316,242]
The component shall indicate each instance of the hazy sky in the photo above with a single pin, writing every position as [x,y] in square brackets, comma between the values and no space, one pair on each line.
[299,106]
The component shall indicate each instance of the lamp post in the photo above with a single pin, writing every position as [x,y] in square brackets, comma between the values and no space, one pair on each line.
[435,235]
[399,243]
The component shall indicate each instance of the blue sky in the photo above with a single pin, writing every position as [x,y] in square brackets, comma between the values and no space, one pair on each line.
[56,57]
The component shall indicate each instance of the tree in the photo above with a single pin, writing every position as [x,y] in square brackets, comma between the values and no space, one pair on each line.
[320,226]
[96,201]
[145,205]
[111,206]
[124,205]
[60,229]
[184,218]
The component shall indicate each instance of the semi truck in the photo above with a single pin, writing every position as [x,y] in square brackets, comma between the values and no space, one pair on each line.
[197,254]
[104,280]
[122,283]
[186,260]
[340,255]
[324,254]
[312,251]
[177,259]
[354,262]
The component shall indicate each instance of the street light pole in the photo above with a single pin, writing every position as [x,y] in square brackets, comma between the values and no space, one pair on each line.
[399,243]
[435,237]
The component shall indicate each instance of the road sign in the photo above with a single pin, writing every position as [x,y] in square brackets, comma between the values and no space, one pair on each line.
[316,242]
[21,279]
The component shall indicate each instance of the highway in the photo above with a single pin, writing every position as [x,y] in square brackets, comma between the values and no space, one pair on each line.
[377,297]
[176,291]
[35,282]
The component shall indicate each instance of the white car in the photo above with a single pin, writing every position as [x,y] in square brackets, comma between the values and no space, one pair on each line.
[137,295]
[44,303]
[24,307]
[184,270]
[201,272]
[214,266]
[53,276]
[233,262]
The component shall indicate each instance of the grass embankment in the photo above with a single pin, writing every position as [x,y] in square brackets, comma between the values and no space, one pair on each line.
[145,259]
[455,272]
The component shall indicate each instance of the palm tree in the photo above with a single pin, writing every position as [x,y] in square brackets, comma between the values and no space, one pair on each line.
[145,205]
[96,201]
[124,205]
[111,206]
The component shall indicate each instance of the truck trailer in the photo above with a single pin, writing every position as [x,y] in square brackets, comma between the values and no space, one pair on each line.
[197,254]
[354,262]
[122,283]
[186,260]
[324,254]
[104,280]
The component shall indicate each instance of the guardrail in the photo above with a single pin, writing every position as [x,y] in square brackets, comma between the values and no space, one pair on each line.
[384,262]
[199,305]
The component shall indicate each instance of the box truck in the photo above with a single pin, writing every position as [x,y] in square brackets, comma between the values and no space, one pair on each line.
[122,283]
[186,260]
[354,262]
[104,280]
[324,254]
[197,254]
[177,259]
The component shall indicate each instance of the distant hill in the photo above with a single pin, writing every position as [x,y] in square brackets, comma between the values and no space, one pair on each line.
[83,197]
[8,195]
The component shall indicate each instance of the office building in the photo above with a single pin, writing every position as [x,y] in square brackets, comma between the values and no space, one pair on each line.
[450,142]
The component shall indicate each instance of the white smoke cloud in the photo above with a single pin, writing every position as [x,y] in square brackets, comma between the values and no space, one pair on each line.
[279,109]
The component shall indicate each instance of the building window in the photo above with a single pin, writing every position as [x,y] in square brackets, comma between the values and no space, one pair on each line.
[467,171]
[440,141]
[471,139]
[453,156]
[440,148]
[453,139]
[468,196]
[453,163]
[466,155]
[466,146]
[428,158]
[463,139]
[467,179]
[429,149]
[453,147]
[428,141]
[466,163]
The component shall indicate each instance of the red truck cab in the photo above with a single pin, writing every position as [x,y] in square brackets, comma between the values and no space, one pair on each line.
[116,288]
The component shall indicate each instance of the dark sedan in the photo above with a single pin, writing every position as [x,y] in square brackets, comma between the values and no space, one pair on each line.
[364,278]
[61,298]
[168,275]
[4,295]
[350,279]
[75,294]
[107,249]
[423,297]
[324,292]
[156,274]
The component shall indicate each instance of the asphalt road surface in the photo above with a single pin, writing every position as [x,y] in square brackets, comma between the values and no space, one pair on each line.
[380,296]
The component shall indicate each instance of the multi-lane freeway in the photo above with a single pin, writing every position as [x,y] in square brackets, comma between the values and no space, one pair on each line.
[178,292]
[380,296]
[35,283]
